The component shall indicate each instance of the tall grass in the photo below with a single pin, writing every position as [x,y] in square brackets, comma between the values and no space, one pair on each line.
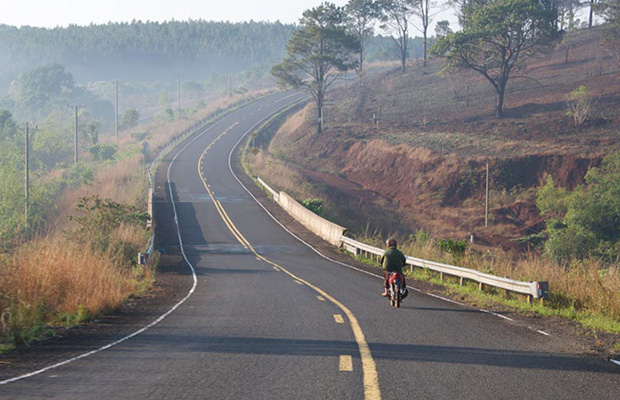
[54,281]
[583,290]
[59,280]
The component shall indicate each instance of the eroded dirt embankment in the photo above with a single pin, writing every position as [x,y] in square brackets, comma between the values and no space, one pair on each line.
[424,189]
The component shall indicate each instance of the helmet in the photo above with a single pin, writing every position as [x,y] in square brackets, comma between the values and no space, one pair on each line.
[391,242]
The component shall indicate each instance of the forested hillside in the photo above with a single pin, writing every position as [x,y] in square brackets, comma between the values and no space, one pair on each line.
[142,50]
[153,50]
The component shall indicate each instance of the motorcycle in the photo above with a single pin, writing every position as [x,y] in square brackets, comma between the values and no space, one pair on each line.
[397,290]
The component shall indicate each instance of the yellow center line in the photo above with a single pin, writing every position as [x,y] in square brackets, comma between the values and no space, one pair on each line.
[338,318]
[369,368]
[299,283]
[321,298]
[346,363]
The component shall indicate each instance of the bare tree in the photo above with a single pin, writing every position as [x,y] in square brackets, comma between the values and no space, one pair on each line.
[426,10]
[360,17]
[567,14]
[396,16]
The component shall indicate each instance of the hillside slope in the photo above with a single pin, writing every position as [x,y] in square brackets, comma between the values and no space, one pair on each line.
[416,144]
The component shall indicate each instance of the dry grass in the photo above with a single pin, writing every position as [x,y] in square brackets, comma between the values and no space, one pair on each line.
[53,281]
[584,286]
[161,133]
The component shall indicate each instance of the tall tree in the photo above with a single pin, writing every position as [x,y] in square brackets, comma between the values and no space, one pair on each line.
[425,10]
[360,17]
[499,37]
[610,10]
[44,83]
[318,48]
[442,28]
[593,6]
[461,7]
[396,16]
[567,14]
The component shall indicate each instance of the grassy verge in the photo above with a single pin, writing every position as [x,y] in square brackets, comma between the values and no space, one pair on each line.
[584,292]
[86,264]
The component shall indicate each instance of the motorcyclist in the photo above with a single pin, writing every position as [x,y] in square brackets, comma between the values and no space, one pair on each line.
[393,260]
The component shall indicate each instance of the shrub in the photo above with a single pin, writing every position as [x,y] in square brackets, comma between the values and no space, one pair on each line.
[454,247]
[551,200]
[130,119]
[592,222]
[314,205]
[104,151]
[97,218]
[579,105]
[140,136]
[79,174]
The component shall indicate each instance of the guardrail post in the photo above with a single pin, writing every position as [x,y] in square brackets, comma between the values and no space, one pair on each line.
[461,281]
[481,286]
[441,276]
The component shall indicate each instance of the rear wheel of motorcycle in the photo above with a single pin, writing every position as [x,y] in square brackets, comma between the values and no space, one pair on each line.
[397,299]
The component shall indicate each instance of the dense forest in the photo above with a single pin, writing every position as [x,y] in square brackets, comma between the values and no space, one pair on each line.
[142,50]
[153,50]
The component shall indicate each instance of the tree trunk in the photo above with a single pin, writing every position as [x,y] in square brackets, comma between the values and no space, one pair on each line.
[591,13]
[319,120]
[403,53]
[424,47]
[499,112]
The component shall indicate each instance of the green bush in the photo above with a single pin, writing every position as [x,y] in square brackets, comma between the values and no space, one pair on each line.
[454,247]
[140,136]
[103,151]
[79,174]
[314,205]
[97,218]
[591,225]
[550,200]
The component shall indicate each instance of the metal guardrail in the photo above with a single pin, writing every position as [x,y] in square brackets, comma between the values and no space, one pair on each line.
[534,290]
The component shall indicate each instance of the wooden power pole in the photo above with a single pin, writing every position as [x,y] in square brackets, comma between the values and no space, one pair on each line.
[116,109]
[486,202]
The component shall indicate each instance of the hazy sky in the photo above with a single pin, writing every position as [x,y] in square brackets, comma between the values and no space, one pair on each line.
[51,13]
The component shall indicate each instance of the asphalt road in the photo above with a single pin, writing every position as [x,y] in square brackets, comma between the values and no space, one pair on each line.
[269,318]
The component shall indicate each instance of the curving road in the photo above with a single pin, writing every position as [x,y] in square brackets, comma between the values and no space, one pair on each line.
[270,318]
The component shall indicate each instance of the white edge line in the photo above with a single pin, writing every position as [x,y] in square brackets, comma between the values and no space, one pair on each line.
[614,361]
[310,246]
[162,317]
[497,315]
[543,333]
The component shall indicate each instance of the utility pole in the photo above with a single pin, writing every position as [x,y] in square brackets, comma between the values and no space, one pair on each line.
[116,110]
[77,154]
[486,203]
[179,89]
[27,175]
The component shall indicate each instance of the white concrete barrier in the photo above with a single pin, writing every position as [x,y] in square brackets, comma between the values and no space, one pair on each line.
[327,230]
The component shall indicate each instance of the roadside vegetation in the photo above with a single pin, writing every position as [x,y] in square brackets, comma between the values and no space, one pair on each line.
[524,86]
[78,255]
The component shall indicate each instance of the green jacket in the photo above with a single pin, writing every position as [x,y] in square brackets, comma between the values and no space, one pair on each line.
[393,260]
